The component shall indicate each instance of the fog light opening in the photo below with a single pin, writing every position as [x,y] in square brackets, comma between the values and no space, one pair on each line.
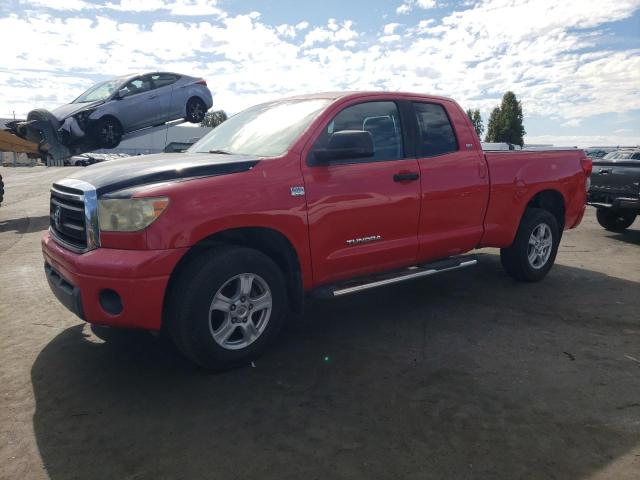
[111,302]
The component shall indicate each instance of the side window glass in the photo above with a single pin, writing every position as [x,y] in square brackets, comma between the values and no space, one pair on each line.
[380,119]
[163,79]
[436,135]
[138,85]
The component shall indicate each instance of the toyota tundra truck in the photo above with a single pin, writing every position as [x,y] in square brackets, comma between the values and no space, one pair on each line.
[328,194]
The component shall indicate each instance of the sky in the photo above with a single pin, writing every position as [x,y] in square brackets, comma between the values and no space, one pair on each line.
[574,64]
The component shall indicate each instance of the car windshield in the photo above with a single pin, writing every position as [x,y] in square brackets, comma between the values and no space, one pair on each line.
[265,130]
[618,155]
[100,91]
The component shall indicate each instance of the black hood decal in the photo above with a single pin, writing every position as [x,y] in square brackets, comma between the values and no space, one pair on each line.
[114,175]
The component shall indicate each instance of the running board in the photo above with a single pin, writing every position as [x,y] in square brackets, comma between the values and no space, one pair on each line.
[397,276]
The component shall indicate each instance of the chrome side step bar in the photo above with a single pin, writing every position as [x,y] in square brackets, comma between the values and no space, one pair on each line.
[380,280]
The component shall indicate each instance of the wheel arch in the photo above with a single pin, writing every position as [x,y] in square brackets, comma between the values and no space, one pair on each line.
[268,241]
[552,201]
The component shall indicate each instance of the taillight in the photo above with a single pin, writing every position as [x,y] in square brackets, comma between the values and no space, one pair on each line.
[202,82]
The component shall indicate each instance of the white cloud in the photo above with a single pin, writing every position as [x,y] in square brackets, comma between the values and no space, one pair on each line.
[58,4]
[333,32]
[408,5]
[474,55]
[389,28]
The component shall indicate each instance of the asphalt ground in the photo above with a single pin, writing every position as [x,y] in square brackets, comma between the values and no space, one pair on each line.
[466,375]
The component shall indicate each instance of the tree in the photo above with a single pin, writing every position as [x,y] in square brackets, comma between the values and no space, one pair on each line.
[493,126]
[476,120]
[213,119]
[505,123]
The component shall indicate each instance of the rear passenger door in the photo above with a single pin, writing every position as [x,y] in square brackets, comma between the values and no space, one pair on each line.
[363,213]
[454,178]
[170,104]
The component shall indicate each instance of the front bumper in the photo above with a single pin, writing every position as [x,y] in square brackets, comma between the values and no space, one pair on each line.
[81,282]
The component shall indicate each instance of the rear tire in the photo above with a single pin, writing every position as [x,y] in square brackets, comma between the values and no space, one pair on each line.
[615,221]
[1,190]
[196,110]
[211,316]
[533,251]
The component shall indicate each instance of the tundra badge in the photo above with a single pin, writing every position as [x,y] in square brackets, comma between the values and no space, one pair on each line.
[358,241]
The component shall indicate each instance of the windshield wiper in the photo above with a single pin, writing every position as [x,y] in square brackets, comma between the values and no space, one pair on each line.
[222,152]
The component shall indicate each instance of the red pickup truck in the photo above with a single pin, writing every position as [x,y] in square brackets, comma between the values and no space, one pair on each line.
[326,194]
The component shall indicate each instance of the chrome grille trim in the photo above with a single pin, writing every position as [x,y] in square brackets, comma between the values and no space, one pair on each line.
[90,211]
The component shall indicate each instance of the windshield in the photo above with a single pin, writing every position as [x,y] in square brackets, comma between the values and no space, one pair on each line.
[265,130]
[618,155]
[100,91]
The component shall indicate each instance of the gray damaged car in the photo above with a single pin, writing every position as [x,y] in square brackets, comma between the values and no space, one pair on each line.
[109,110]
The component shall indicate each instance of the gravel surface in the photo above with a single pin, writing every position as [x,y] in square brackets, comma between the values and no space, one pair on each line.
[467,375]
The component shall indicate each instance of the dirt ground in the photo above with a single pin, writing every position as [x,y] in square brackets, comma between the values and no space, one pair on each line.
[467,375]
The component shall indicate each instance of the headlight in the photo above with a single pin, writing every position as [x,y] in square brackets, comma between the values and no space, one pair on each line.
[129,214]
[83,116]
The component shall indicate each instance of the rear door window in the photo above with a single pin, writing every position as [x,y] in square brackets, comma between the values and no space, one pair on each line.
[163,79]
[435,133]
[380,119]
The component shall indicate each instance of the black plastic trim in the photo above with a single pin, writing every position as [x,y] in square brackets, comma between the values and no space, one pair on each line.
[66,293]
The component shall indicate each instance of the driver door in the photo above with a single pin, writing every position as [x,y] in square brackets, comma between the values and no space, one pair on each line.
[363,213]
[137,108]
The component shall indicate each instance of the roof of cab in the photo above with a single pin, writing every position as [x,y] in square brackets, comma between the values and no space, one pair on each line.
[348,94]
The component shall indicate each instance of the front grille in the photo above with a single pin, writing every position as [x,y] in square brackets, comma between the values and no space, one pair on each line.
[67,216]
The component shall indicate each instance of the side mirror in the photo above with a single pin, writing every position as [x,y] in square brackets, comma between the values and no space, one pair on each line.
[123,92]
[346,144]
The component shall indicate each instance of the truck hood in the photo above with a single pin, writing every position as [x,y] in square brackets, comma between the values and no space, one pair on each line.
[64,111]
[114,175]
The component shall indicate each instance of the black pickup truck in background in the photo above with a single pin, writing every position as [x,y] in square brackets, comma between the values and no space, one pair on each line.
[615,189]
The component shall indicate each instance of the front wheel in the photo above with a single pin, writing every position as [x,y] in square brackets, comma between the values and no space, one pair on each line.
[226,306]
[615,221]
[533,252]
[107,132]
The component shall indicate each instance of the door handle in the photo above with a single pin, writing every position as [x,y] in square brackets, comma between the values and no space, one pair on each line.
[152,96]
[406,177]
[605,171]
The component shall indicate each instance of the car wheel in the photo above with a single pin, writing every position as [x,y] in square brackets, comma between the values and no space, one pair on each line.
[107,132]
[196,110]
[615,221]
[226,306]
[1,190]
[533,251]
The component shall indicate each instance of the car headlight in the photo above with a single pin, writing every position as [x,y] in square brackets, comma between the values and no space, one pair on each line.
[129,214]
[83,116]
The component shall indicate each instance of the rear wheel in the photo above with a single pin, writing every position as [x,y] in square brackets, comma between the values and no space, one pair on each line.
[1,190]
[615,221]
[196,110]
[107,132]
[533,252]
[226,307]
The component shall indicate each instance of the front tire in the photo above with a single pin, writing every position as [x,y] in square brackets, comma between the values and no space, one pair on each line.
[226,306]
[533,252]
[107,132]
[615,221]
[196,110]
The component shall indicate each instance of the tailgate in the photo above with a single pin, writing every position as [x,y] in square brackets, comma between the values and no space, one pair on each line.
[615,180]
